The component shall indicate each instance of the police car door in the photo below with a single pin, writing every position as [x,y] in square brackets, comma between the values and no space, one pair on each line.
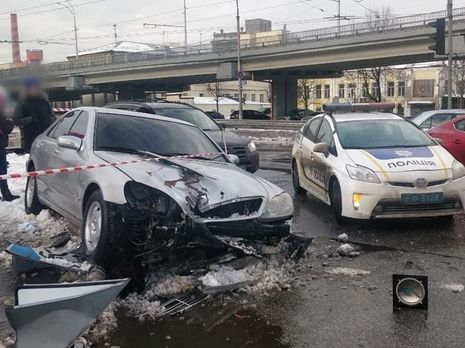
[307,145]
[321,163]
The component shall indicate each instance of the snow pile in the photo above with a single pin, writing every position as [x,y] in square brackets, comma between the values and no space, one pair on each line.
[347,271]
[343,238]
[225,276]
[106,323]
[274,142]
[5,260]
[165,285]
[454,287]
[16,225]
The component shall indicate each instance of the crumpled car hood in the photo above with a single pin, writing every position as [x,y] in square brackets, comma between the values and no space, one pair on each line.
[218,182]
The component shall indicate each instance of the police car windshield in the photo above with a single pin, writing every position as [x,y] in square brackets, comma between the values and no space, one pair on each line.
[375,134]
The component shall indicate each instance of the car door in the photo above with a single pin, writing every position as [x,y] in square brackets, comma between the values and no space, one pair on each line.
[44,157]
[68,185]
[321,163]
[306,147]
[457,141]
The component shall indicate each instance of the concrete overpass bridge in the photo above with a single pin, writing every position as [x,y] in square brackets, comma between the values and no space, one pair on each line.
[280,58]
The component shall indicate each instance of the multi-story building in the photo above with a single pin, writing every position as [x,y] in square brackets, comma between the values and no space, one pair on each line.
[412,88]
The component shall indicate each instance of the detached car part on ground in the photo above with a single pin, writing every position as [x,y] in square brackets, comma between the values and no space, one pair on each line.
[376,165]
[143,210]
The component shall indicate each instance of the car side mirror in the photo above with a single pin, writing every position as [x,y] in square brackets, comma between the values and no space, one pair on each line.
[69,142]
[234,159]
[322,148]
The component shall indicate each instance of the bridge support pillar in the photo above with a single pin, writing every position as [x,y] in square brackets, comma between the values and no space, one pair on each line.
[131,93]
[284,96]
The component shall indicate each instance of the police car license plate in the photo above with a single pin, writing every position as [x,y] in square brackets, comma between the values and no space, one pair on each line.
[422,198]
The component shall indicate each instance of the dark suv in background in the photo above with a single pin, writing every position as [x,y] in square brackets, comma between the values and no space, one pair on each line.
[236,144]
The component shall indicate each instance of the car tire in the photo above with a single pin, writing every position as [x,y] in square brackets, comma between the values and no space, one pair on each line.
[98,231]
[336,200]
[31,200]
[296,181]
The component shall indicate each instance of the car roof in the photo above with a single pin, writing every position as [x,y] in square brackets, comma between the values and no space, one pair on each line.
[134,114]
[360,116]
[424,115]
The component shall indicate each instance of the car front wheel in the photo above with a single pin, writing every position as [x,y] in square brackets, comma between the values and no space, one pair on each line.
[336,200]
[98,232]
[296,181]
[31,200]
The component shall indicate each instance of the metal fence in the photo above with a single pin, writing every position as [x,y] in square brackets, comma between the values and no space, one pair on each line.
[274,39]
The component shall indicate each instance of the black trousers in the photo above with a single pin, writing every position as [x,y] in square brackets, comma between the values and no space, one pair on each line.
[3,169]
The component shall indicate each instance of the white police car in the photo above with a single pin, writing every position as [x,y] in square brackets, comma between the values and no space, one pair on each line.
[375,165]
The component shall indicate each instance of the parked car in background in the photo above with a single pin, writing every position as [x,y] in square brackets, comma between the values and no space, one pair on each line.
[241,146]
[149,207]
[434,118]
[266,111]
[452,137]
[297,114]
[250,115]
[215,115]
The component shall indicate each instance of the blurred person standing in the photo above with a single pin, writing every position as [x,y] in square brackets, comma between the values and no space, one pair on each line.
[34,114]
[6,127]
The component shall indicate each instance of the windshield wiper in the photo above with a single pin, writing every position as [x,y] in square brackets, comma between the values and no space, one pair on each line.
[117,149]
[169,161]
[194,156]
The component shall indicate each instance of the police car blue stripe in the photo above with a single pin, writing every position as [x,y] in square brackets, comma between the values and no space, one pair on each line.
[401,152]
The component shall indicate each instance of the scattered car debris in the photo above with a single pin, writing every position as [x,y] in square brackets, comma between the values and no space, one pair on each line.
[54,315]
[182,303]
[26,258]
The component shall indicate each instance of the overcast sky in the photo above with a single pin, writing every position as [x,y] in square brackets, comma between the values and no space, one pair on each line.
[46,20]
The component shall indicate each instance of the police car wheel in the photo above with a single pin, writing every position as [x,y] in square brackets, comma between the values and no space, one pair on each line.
[296,181]
[336,200]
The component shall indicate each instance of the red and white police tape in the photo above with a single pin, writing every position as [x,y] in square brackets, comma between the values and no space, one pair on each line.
[94,166]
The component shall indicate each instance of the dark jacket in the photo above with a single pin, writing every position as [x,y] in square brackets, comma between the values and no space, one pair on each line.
[6,127]
[35,116]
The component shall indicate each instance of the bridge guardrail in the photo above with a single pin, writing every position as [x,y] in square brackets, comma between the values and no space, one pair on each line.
[379,25]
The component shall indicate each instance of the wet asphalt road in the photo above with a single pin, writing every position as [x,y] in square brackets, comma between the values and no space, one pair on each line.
[331,310]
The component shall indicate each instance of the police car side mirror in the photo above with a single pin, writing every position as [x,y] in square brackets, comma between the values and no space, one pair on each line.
[322,148]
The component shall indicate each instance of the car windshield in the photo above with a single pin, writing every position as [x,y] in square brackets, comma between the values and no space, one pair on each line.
[374,134]
[190,115]
[129,134]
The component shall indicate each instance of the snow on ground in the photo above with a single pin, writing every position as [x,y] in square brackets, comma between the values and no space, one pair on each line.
[16,225]
[270,138]
[5,260]
[454,287]
[347,271]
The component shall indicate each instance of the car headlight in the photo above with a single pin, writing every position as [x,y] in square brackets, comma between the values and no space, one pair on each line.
[280,206]
[360,173]
[252,147]
[458,170]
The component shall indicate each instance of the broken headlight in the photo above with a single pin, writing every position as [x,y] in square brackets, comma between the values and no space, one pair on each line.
[136,193]
[280,206]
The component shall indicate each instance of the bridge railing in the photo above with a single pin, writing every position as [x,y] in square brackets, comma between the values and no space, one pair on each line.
[275,38]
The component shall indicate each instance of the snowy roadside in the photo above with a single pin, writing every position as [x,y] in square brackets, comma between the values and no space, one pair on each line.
[270,138]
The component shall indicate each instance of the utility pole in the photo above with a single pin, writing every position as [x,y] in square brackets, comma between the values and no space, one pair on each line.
[450,53]
[71,9]
[239,64]
[115,33]
[185,27]
[338,16]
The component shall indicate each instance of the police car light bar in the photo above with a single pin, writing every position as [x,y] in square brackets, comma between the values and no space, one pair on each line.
[359,107]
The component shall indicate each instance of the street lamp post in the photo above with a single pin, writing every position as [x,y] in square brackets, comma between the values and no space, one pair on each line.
[450,53]
[71,9]
[185,27]
[239,64]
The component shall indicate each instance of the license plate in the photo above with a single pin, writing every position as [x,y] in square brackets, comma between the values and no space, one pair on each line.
[422,198]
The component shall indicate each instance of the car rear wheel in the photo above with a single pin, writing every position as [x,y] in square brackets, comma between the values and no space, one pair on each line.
[97,230]
[336,200]
[296,181]
[31,200]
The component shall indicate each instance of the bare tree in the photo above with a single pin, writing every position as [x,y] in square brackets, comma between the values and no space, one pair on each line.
[459,79]
[373,78]
[216,90]
[305,89]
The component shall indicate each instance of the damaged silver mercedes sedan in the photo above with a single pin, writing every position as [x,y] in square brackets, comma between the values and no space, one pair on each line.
[158,201]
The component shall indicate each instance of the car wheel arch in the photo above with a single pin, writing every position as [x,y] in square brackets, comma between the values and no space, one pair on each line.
[89,190]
